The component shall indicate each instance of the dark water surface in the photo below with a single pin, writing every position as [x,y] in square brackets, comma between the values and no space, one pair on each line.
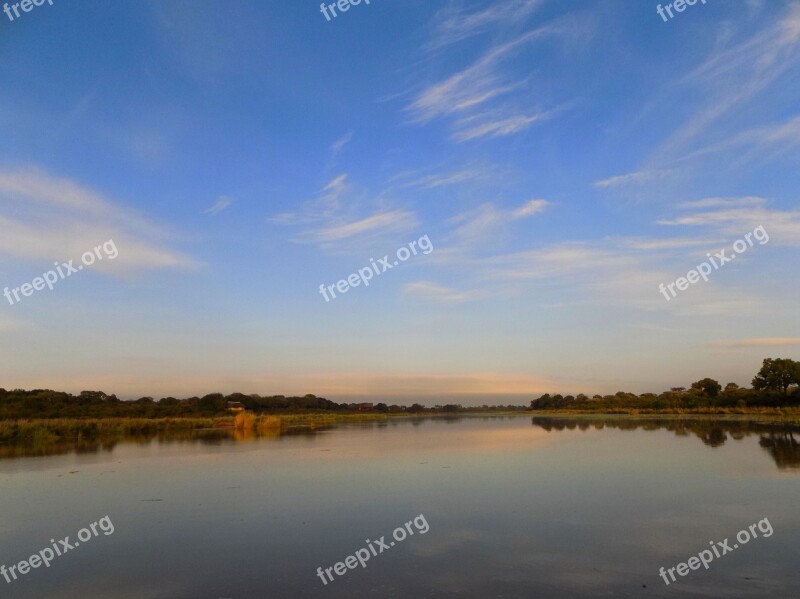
[517,507]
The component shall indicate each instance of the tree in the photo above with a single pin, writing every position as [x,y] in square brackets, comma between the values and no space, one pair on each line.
[777,375]
[708,387]
[541,402]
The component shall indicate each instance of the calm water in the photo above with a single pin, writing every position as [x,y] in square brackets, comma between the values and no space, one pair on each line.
[517,507]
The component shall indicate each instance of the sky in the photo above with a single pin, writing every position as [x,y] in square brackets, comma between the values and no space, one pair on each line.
[562,160]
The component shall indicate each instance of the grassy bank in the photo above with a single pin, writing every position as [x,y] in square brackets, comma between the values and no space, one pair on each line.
[37,430]
[55,429]
[788,415]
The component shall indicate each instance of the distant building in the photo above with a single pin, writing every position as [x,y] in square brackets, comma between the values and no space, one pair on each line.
[361,407]
[235,406]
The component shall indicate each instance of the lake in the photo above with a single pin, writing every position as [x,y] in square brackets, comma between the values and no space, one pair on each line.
[514,506]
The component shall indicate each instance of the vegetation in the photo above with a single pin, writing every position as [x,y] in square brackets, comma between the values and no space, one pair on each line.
[35,430]
[776,385]
[43,403]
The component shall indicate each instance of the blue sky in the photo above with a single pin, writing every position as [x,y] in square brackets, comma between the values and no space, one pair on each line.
[564,159]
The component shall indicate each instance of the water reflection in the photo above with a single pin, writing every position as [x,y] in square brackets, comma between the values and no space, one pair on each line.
[783,448]
[777,439]
[100,442]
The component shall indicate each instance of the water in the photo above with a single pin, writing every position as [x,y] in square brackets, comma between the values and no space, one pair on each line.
[516,507]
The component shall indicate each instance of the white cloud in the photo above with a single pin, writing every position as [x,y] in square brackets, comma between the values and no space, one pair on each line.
[487,220]
[468,94]
[723,202]
[443,179]
[733,77]
[396,220]
[635,178]
[756,342]
[430,291]
[738,216]
[340,143]
[668,244]
[220,205]
[43,217]
[496,128]
[340,214]
[530,208]
[453,24]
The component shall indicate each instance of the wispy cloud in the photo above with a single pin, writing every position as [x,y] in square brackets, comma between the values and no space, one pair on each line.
[441,179]
[454,24]
[396,220]
[635,178]
[340,143]
[668,244]
[430,291]
[220,205]
[747,201]
[737,216]
[757,342]
[43,217]
[503,127]
[487,220]
[475,95]
[762,143]
[530,208]
[733,77]
[734,123]
[338,215]
[470,87]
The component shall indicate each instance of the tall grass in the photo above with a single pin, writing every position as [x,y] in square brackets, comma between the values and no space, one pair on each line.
[247,421]
[53,429]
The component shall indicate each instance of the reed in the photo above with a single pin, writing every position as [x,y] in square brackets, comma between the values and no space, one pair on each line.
[53,429]
[244,421]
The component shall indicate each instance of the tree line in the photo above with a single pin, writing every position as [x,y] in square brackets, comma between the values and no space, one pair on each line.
[776,384]
[45,403]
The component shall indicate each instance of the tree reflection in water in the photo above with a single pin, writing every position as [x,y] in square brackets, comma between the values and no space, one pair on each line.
[777,439]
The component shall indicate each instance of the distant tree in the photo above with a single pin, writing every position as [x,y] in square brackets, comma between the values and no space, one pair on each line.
[416,408]
[381,407]
[708,387]
[541,402]
[731,388]
[777,375]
